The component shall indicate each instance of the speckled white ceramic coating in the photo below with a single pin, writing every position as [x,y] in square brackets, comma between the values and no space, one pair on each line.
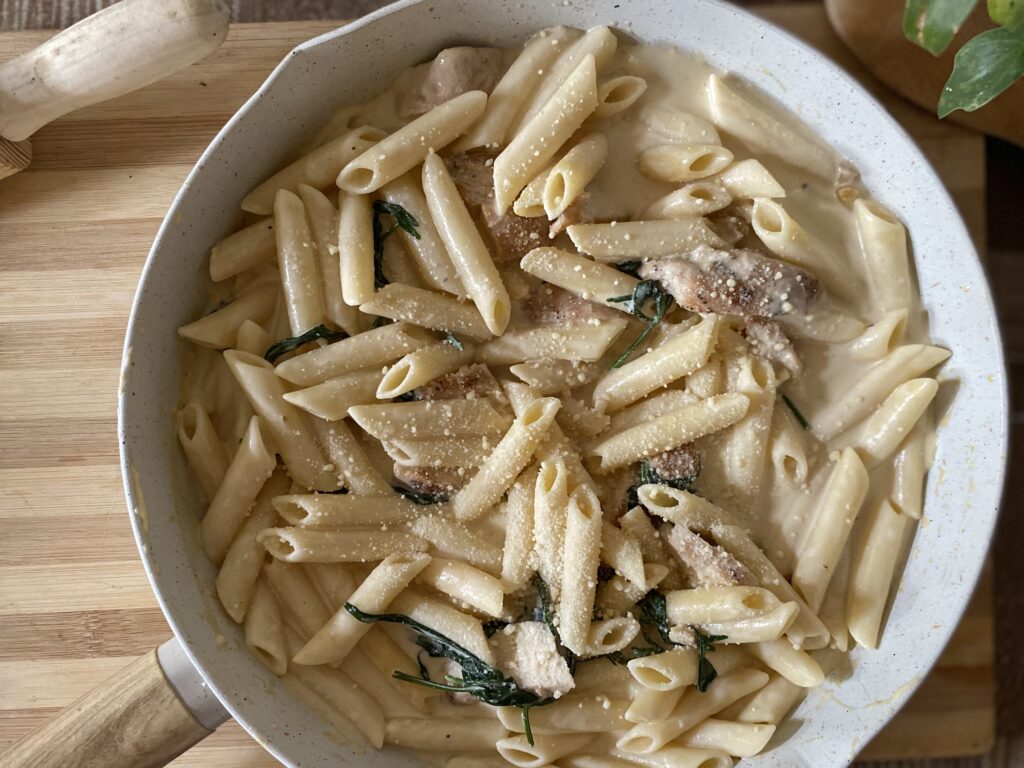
[356,62]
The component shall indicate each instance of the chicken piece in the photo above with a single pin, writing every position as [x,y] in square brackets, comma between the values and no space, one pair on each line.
[433,481]
[473,173]
[453,71]
[739,282]
[512,236]
[678,464]
[527,653]
[578,212]
[550,305]
[769,341]
[468,382]
[729,226]
[707,565]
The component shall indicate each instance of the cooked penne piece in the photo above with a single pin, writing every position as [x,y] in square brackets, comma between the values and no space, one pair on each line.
[683,162]
[284,422]
[516,86]
[881,338]
[679,126]
[675,358]
[761,132]
[331,510]
[883,243]
[264,632]
[339,636]
[840,504]
[248,247]
[451,539]
[568,178]
[540,138]
[314,545]
[737,739]
[318,169]
[371,348]
[429,418]
[902,365]
[407,147]
[465,246]
[748,180]
[693,708]
[707,605]
[510,456]
[469,451]
[544,750]
[617,95]
[570,714]
[331,399]
[205,452]
[580,556]
[427,251]
[323,221]
[422,366]
[872,569]
[349,462]
[889,426]
[468,585]
[427,309]
[683,425]
[219,329]
[599,42]
[622,240]
[300,275]
[795,665]
[236,579]
[667,671]
[356,248]
[698,198]
[585,343]
[577,274]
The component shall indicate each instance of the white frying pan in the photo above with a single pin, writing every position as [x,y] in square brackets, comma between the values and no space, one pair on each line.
[138,720]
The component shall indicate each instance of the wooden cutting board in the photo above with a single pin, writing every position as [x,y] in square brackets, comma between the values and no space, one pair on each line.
[74,232]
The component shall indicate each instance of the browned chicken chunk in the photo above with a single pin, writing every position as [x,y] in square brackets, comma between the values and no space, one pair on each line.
[453,72]
[512,236]
[769,341]
[578,212]
[550,305]
[682,463]
[707,565]
[473,173]
[470,381]
[738,282]
[729,226]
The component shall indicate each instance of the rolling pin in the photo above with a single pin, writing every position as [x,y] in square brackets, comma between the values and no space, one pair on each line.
[120,49]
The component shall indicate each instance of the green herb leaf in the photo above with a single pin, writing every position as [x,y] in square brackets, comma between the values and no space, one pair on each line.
[796,412]
[284,346]
[1006,13]
[653,610]
[629,267]
[634,303]
[543,611]
[706,672]
[451,338]
[932,24]
[985,67]
[479,679]
[418,497]
[403,220]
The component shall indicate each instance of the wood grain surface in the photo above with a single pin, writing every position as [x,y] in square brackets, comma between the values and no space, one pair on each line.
[74,231]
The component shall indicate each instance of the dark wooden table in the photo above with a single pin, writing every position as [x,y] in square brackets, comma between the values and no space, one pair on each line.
[1005,263]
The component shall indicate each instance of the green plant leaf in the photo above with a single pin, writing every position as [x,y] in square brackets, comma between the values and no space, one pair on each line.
[985,67]
[1007,13]
[932,24]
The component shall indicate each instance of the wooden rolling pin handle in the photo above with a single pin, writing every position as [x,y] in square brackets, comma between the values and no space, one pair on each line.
[120,49]
[134,720]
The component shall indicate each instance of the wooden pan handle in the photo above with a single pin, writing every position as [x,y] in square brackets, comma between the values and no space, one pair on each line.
[134,720]
[120,49]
